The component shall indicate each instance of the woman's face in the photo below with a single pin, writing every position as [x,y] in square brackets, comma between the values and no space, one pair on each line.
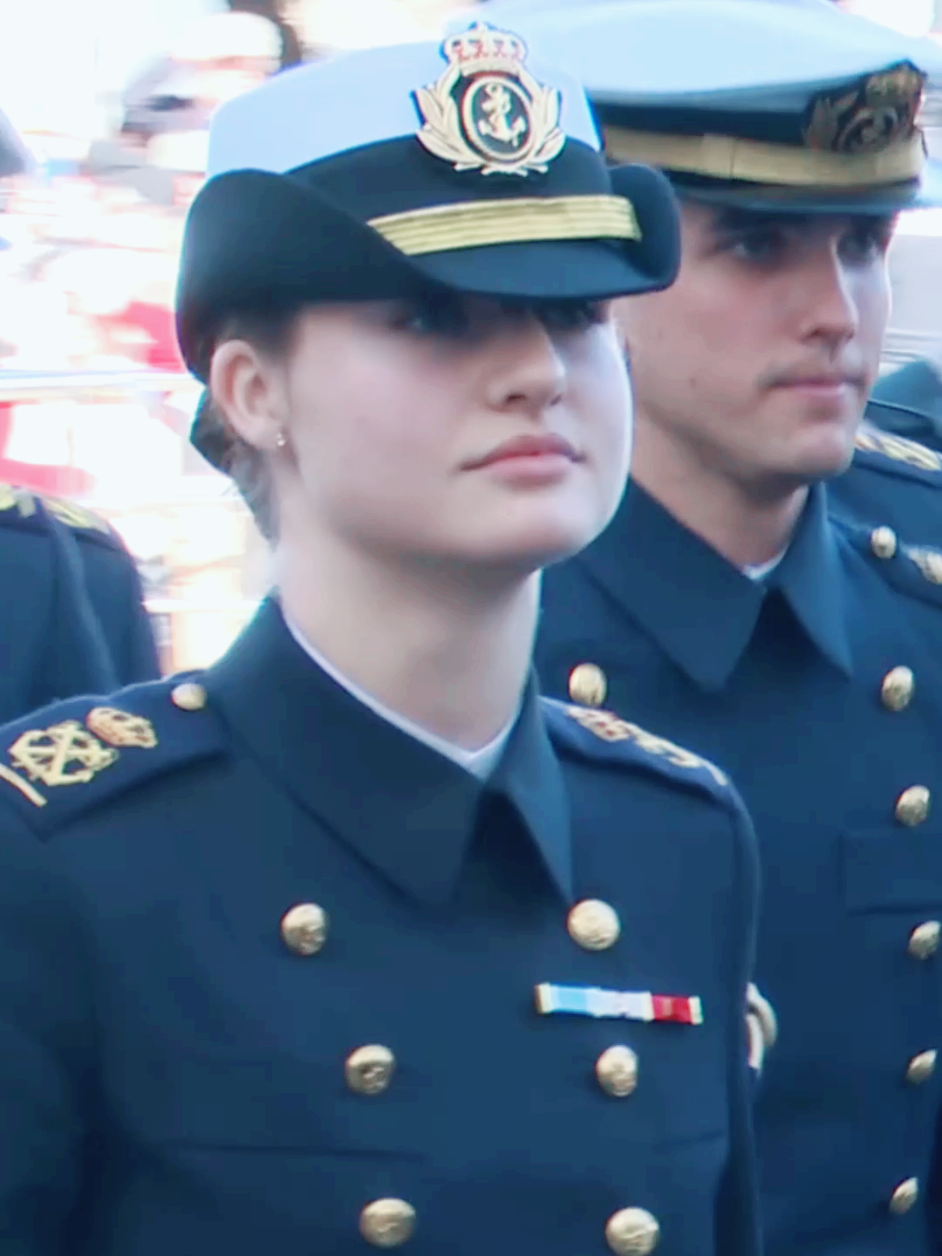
[454,430]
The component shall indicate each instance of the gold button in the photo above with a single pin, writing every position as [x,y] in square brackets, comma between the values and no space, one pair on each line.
[594,925]
[921,1067]
[304,928]
[588,685]
[904,1197]
[188,696]
[617,1071]
[387,1222]
[924,940]
[883,542]
[369,1070]
[896,692]
[632,1232]
[912,806]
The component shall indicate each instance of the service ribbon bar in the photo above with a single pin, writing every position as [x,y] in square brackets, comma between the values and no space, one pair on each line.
[638,1005]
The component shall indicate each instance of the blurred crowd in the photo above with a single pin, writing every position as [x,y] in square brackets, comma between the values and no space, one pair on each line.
[94,401]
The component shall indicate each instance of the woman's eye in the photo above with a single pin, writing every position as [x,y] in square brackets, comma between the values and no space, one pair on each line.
[568,316]
[433,318]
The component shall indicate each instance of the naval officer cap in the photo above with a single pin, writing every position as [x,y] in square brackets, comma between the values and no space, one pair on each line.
[780,104]
[381,173]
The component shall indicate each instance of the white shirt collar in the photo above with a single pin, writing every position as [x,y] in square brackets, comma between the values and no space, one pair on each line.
[479,763]
[758,571]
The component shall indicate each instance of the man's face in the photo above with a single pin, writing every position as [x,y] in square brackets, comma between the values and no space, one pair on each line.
[759,360]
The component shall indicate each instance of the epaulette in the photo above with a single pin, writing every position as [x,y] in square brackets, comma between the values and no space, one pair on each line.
[913,569]
[70,757]
[595,734]
[897,455]
[18,508]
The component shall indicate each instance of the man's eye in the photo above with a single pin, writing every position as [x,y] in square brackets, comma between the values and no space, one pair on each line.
[865,245]
[760,246]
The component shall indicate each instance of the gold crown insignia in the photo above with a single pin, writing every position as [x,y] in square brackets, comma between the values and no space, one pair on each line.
[121,728]
[487,112]
[484,48]
[877,114]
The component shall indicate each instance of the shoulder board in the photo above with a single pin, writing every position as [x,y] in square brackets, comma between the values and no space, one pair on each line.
[72,756]
[897,455]
[18,508]
[601,735]
[913,569]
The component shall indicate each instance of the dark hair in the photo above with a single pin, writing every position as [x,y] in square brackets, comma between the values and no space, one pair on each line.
[270,330]
[291,51]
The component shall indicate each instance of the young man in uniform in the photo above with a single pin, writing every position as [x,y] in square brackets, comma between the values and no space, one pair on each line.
[728,602]
[353,941]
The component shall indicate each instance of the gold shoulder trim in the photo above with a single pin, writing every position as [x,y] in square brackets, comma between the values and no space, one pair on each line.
[929,562]
[899,448]
[610,727]
[75,516]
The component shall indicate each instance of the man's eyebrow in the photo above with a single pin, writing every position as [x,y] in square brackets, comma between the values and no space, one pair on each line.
[730,220]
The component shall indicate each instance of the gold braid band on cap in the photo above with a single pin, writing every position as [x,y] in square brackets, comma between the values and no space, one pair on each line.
[523,220]
[725,157]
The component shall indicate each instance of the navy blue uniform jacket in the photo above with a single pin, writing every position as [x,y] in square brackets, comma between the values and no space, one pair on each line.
[172,1075]
[820,692]
[72,618]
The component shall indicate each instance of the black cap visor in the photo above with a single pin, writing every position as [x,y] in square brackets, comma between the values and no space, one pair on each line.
[255,238]
[889,198]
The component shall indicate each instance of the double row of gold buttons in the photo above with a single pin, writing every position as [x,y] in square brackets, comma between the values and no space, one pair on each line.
[369,1070]
[912,808]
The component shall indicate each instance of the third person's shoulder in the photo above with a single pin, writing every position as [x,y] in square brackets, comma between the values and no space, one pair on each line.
[884,453]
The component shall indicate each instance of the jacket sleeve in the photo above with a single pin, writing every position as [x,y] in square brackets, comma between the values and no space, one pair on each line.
[737,1214]
[117,601]
[46,1038]
[139,661]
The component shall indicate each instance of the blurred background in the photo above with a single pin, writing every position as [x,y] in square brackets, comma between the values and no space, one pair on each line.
[112,99]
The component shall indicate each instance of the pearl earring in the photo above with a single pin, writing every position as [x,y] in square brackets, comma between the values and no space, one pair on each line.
[281,441]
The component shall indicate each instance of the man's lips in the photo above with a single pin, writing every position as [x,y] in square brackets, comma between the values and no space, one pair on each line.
[821,379]
[527,447]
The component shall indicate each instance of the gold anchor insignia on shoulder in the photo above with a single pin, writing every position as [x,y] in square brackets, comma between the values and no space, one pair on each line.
[70,754]
[65,754]
[610,727]
[899,448]
[929,562]
[487,112]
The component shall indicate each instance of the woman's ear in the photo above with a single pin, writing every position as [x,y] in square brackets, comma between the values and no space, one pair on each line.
[247,388]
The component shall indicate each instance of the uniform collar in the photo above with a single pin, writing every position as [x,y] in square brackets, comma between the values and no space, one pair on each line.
[700,608]
[414,817]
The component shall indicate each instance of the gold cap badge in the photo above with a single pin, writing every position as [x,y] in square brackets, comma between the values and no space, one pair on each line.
[876,115]
[486,112]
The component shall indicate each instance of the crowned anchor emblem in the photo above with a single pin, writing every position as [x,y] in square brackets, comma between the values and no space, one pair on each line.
[487,112]
[877,113]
